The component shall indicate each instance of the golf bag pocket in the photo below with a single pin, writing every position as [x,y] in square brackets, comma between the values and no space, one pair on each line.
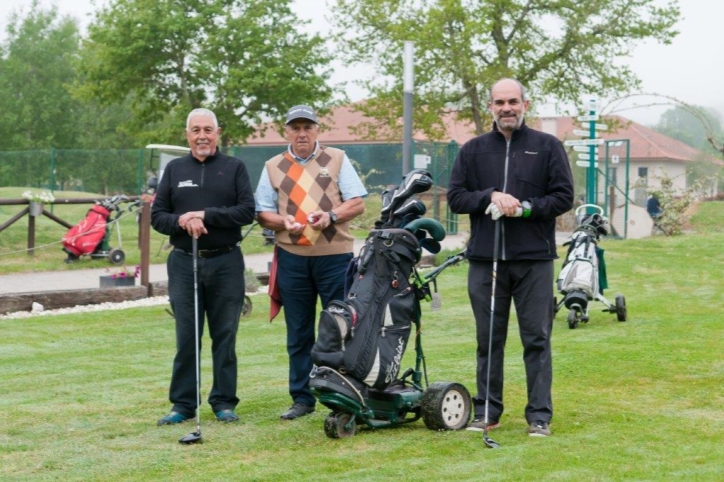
[580,270]
[378,355]
[335,326]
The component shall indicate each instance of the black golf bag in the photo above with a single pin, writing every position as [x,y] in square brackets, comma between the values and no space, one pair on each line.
[365,335]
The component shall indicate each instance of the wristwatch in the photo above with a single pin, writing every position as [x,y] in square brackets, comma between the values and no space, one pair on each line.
[332,217]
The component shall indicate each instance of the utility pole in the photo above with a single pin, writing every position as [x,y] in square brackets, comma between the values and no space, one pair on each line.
[407,87]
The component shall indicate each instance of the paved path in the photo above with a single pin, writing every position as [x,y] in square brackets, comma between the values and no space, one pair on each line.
[89,278]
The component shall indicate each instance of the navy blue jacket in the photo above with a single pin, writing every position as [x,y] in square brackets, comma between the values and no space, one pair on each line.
[219,186]
[537,171]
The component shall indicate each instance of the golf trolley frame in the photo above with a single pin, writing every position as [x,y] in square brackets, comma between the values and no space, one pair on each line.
[442,405]
[576,301]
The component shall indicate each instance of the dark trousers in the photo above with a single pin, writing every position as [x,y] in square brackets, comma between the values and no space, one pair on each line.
[529,284]
[220,296]
[301,280]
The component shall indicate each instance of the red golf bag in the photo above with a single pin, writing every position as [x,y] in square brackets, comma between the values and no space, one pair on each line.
[84,237]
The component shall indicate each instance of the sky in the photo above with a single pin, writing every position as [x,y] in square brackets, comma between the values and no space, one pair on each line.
[687,69]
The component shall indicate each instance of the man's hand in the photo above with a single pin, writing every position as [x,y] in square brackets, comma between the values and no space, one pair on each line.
[319,220]
[291,225]
[193,223]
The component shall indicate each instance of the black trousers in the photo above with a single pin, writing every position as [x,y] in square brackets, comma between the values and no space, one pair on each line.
[529,284]
[221,296]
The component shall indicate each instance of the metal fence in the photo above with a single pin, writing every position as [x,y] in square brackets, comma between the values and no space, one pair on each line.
[110,172]
[126,171]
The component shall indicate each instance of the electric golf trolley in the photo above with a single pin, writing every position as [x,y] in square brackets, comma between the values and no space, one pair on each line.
[362,339]
[583,276]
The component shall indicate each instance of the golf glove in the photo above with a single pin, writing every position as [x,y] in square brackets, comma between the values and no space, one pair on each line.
[493,211]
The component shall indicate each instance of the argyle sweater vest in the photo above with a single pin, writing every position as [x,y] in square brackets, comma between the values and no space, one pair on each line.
[302,189]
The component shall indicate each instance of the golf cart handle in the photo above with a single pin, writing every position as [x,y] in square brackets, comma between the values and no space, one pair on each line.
[586,206]
[451,260]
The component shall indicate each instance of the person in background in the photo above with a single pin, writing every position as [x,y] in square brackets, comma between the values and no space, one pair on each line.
[520,178]
[205,195]
[307,195]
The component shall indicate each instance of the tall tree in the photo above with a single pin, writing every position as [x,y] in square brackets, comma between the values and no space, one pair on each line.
[559,49]
[36,65]
[247,60]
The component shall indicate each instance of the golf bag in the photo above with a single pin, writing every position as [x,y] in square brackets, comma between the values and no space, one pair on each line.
[365,336]
[84,237]
[582,276]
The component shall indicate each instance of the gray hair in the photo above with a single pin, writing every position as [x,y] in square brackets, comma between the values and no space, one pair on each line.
[201,112]
[522,89]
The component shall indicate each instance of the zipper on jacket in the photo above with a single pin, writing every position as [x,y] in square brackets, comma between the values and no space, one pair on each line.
[201,182]
[505,190]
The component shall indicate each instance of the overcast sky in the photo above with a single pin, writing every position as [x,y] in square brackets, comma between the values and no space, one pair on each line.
[690,69]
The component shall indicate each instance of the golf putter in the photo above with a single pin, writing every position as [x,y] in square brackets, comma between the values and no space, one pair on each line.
[195,437]
[489,442]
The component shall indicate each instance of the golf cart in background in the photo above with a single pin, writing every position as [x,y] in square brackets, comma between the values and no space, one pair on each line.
[161,155]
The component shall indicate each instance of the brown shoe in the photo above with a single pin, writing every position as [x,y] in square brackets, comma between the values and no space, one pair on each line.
[478,425]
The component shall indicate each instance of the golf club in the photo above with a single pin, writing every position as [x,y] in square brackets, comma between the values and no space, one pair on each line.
[414,182]
[489,442]
[195,437]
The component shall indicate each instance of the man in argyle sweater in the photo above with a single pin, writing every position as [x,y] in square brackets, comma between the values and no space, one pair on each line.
[308,195]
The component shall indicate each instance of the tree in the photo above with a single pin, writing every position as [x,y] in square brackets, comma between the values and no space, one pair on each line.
[558,49]
[36,63]
[245,59]
[681,124]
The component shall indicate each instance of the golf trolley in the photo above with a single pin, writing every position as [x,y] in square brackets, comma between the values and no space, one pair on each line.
[92,235]
[582,276]
[362,339]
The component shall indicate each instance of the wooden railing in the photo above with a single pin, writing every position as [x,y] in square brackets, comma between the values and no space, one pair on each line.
[144,228]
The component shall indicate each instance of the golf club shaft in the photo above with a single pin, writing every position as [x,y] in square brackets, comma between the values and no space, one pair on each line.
[195,253]
[496,246]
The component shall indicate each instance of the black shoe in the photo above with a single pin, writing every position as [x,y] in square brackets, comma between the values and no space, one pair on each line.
[227,415]
[539,428]
[172,418]
[297,410]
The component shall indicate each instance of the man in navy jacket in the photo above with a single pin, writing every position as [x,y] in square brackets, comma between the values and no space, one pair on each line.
[520,178]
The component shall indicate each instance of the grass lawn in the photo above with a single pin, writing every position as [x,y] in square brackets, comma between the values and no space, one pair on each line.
[640,400]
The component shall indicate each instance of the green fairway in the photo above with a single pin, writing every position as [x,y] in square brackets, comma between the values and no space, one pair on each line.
[640,400]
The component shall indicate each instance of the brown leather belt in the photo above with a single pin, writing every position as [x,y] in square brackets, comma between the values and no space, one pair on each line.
[210,253]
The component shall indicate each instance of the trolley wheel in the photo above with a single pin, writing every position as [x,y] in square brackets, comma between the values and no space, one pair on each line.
[621,308]
[246,307]
[340,425]
[446,406]
[573,319]
[116,256]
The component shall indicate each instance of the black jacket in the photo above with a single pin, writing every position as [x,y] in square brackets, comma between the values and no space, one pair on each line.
[538,172]
[219,186]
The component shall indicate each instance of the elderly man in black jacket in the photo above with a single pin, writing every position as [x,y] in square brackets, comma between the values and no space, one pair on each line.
[205,195]
[520,178]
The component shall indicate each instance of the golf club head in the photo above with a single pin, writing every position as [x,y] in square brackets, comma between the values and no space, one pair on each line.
[411,206]
[192,438]
[414,182]
[489,442]
[430,245]
[387,195]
